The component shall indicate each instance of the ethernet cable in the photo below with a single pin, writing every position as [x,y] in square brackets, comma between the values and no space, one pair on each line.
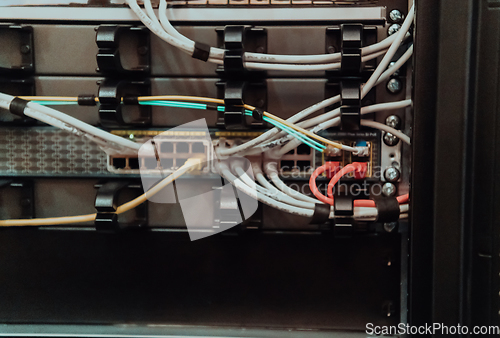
[311,110]
[177,104]
[191,164]
[141,100]
[271,169]
[240,185]
[402,200]
[377,125]
[390,53]
[111,144]
[167,32]
[333,119]
[271,133]
[306,209]
[276,194]
[336,113]
[302,138]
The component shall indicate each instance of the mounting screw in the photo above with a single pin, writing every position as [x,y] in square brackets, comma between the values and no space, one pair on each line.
[392,174]
[389,189]
[260,49]
[392,64]
[331,49]
[390,139]
[393,121]
[25,49]
[394,86]
[393,29]
[396,16]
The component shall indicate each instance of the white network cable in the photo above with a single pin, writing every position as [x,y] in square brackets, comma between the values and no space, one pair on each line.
[111,144]
[288,204]
[334,120]
[267,136]
[240,185]
[271,169]
[164,29]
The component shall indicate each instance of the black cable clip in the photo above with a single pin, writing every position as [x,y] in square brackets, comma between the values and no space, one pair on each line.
[234,113]
[24,39]
[239,85]
[352,41]
[235,93]
[106,220]
[17,87]
[236,40]
[350,89]
[350,110]
[115,109]
[344,216]
[109,59]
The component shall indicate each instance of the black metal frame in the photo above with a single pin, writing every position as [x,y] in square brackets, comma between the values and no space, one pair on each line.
[454,254]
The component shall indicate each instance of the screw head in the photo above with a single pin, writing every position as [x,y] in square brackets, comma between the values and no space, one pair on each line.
[25,49]
[389,189]
[392,174]
[390,139]
[331,49]
[392,64]
[393,29]
[393,121]
[394,86]
[396,16]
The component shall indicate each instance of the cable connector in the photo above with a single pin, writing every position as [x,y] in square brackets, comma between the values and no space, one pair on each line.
[361,170]
[362,151]
[331,169]
[332,151]
[194,164]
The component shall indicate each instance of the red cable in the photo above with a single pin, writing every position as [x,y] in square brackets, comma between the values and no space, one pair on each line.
[347,169]
[314,187]
[312,181]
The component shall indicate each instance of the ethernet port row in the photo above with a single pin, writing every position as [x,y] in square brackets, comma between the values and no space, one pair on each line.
[303,149]
[125,162]
[182,147]
[119,163]
[287,166]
